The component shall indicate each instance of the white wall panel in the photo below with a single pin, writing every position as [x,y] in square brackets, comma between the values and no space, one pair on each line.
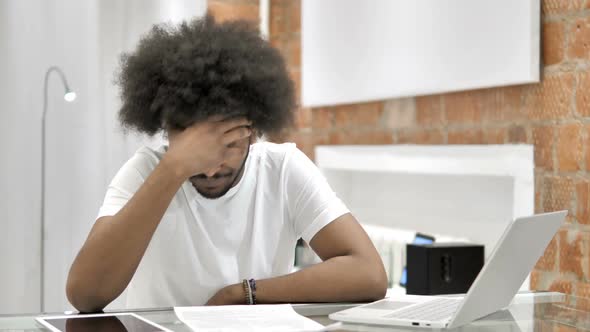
[361,50]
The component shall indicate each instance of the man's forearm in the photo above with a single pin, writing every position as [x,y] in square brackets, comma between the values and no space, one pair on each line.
[107,261]
[339,279]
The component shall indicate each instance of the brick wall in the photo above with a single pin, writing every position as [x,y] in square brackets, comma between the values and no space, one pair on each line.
[234,9]
[554,116]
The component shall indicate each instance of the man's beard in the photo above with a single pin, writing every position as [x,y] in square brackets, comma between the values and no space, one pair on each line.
[216,194]
[219,193]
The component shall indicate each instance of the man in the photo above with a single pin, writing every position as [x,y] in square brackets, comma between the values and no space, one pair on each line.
[213,218]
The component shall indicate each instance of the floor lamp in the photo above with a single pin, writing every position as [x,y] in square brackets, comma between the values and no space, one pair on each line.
[69,96]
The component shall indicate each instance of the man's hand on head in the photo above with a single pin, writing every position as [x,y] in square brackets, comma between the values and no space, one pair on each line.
[205,146]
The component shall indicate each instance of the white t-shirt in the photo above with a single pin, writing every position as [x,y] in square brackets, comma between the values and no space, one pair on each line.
[202,245]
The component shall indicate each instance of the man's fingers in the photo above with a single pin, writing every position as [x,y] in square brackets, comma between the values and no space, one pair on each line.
[228,125]
[235,134]
[233,154]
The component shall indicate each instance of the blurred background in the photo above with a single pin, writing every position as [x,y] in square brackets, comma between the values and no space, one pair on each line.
[449,117]
[85,147]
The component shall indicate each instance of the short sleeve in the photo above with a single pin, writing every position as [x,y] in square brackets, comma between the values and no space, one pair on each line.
[311,201]
[124,185]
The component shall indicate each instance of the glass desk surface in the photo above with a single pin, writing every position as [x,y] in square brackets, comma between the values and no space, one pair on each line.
[528,312]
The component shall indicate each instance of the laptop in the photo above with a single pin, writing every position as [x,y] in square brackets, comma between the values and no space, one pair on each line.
[516,253]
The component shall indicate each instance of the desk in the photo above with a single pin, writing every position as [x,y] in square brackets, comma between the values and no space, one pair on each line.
[528,312]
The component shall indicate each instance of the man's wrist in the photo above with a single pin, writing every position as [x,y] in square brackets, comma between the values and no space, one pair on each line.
[235,294]
[174,168]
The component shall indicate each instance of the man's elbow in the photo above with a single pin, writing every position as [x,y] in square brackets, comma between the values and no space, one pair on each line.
[82,299]
[377,282]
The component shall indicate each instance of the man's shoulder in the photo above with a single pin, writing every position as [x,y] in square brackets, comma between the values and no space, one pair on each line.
[273,149]
[280,159]
[155,154]
[272,152]
[146,158]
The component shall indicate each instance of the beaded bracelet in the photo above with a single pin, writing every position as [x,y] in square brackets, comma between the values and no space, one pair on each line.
[252,284]
[247,291]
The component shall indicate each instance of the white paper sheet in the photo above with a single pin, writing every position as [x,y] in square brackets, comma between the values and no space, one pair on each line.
[278,317]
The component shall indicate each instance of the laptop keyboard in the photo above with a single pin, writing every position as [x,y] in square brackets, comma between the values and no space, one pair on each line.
[434,310]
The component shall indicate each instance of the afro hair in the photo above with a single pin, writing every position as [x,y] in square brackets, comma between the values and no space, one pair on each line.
[180,75]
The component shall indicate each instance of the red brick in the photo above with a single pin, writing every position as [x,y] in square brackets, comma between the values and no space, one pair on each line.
[570,252]
[542,325]
[469,136]
[282,45]
[353,137]
[304,142]
[583,94]
[583,297]
[538,185]
[321,139]
[344,113]
[547,261]
[583,291]
[562,286]
[278,19]
[278,43]
[501,105]
[295,75]
[569,147]
[434,136]
[294,59]
[462,107]
[583,201]
[275,27]
[534,280]
[579,39]
[294,16]
[564,328]
[543,141]
[558,193]
[233,11]
[251,2]
[358,115]
[494,136]
[553,42]
[429,111]
[550,7]
[551,99]
[399,113]
[307,142]
[303,118]
[586,255]
[321,118]
[541,280]
[517,134]
[280,2]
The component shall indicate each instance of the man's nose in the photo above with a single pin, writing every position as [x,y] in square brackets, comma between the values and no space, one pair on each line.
[212,171]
